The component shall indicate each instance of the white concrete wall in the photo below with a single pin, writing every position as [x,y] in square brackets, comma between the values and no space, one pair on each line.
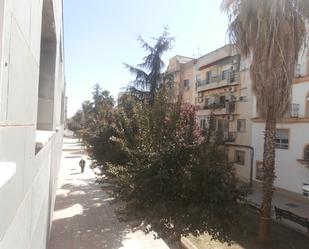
[25,220]
[26,197]
[290,172]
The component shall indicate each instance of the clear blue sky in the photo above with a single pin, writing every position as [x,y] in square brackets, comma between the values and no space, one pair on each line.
[102,34]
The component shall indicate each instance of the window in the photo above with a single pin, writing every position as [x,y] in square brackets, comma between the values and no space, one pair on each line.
[282,139]
[222,100]
[306,153]
[208,77]
[200,97]
[240,157]
[223,125]
[203,123]
[294,111]
[243,94]
[206,102]
[186,84]
[232,76]
[241,125]
[259,171]
[243,98]
[225,74]
[198,81]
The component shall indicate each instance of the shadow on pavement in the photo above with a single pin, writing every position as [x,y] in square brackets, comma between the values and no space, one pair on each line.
[81,222]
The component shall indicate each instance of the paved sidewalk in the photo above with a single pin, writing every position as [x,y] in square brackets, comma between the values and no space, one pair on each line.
[297,205]
[84,215]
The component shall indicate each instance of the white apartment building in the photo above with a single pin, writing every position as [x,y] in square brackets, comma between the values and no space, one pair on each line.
[219,83]
[32,106]
[292,147]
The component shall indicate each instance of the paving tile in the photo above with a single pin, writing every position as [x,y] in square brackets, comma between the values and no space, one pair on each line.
[84,215]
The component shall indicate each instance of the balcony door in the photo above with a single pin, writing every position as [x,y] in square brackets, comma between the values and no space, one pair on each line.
[307,106]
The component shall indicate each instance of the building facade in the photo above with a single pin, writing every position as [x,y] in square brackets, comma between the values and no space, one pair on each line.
[223,93]
[219,85]
[32,107]
[292,144]
[183,69]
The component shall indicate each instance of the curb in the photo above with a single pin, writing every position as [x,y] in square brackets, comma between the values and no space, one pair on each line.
[187,244]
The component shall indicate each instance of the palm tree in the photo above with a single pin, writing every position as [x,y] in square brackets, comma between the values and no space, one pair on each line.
[147,82]
[272,32]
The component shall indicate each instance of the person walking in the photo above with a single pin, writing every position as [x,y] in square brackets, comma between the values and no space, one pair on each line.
[82,164]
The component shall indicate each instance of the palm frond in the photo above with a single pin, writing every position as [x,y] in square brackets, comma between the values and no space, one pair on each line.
[272,32]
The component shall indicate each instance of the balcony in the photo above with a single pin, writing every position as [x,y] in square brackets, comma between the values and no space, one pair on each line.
[217,81]
[228,107]
[293,111]
[231,137]
[216,55]
[214,106]
[226,136]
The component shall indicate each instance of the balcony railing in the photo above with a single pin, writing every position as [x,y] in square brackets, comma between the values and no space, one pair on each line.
[293,111]
[214,106]
[226,136]
[230,106]
[230,78]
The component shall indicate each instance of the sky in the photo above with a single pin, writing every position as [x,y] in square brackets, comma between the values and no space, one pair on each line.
[100,35]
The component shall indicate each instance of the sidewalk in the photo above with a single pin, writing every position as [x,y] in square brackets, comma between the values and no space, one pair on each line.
[296,204]
[84,215]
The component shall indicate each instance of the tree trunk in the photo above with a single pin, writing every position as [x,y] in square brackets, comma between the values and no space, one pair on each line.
[268,178]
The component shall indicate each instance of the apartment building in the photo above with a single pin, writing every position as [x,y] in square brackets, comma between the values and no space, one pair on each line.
[292,144]
[32,107]
[183,69]
[220,86]
[223,93]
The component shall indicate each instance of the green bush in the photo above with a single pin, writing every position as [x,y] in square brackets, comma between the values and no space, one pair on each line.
[177,180]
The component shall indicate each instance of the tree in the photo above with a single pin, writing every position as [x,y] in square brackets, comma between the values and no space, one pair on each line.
[272,32]
[75,123]
[94,124]
[172,177]
[147,82]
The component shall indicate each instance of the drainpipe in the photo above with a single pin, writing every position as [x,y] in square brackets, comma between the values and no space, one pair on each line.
[252,156]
